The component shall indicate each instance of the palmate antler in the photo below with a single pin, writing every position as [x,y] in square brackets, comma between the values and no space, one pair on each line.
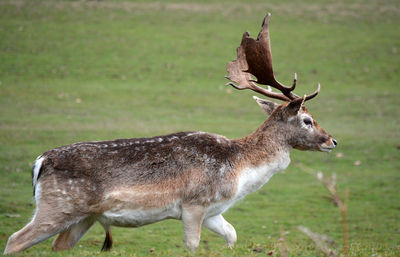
[254,58]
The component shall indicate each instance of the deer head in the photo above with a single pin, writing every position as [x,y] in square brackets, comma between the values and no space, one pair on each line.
[254,59]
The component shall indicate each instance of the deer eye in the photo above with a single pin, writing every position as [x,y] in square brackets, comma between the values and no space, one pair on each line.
[307,121]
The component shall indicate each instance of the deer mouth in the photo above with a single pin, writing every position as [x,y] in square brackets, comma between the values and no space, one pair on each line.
[326,149]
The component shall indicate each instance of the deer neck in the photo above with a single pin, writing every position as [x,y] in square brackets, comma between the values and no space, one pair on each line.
[265,152]
[266,144]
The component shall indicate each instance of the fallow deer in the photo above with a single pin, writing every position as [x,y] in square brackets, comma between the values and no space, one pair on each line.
[190,176]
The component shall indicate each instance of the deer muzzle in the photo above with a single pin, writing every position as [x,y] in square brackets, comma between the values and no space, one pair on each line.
[329,145]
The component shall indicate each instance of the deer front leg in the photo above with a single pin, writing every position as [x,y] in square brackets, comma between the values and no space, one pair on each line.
[192,218]
[220,226]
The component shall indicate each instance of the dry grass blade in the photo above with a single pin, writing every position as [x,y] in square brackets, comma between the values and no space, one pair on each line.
[343,211]
[330,184]
[283,245]
[320,240]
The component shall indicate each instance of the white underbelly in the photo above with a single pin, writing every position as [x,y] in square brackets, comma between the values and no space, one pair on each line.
[139,217]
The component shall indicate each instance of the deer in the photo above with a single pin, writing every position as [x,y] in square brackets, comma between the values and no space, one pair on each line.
[190,176]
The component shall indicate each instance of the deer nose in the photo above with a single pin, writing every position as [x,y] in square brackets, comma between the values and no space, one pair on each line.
[334,142]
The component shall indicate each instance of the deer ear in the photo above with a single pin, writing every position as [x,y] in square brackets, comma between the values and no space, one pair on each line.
[266,105]
[294,106]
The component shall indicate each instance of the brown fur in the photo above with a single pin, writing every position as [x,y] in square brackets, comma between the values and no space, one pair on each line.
[95,167]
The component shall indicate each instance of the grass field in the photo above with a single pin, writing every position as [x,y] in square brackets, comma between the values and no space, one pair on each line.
[94,70]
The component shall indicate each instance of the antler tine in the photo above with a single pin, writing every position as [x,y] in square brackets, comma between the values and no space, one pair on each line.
[294,81]
[259,90]
[313,94]
[307,97]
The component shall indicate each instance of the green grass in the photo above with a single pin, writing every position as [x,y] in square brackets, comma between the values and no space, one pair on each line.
[96,70]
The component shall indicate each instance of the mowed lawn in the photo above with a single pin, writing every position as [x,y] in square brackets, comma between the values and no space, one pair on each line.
[75,71]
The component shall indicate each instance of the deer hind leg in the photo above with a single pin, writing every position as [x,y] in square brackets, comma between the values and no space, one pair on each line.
[220,226]
[192,218]
[42,227]
[107,245]
[68,238]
